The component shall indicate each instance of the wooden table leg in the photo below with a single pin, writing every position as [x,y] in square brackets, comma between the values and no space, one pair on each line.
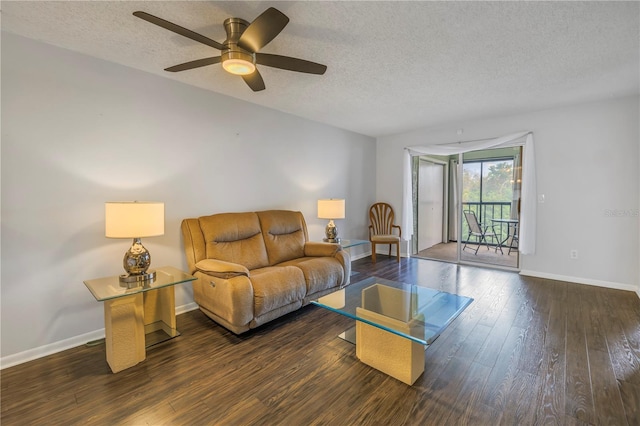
[124,332]
[160,311]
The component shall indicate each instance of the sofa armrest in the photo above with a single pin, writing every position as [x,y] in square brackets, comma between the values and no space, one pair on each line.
[345,260]
[221,269]
[316,249]
[228,301]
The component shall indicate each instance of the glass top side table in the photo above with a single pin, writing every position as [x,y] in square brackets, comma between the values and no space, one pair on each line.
[111,288]
[352,243]
[139,317]
[347,245]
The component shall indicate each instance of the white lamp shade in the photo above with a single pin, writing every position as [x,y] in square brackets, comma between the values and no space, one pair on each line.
[133,219]
[331,209]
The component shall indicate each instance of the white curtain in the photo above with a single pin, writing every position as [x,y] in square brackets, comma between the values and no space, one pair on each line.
[527,237]
[517,186]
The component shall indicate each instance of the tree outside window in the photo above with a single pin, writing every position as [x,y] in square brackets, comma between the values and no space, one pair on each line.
[487,189]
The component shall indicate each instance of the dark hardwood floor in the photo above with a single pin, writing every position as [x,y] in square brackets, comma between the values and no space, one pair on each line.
[526,351]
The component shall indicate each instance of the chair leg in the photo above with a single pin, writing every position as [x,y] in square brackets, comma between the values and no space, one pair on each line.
[465,244]
[373,252]
[398,251]
[486,243]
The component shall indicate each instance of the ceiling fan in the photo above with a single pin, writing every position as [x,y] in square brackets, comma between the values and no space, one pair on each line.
[239,52]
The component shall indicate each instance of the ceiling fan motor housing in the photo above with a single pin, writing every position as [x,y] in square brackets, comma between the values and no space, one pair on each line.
[234,28]
[235,52]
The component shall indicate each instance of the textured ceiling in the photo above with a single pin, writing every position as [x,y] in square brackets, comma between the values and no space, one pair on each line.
[392,66]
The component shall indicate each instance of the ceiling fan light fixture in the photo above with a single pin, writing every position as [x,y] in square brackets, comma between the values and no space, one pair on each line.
[238,66]
[238,62]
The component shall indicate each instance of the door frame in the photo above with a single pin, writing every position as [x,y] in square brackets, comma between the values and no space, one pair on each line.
[445,197]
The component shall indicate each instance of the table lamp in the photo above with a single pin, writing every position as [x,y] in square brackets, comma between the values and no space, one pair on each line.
[135,219]
[331,209]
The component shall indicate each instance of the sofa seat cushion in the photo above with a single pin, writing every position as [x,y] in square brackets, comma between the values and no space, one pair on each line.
[276,286]
[221,269]
[320,273]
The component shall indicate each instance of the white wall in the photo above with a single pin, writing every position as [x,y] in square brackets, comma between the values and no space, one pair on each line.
[77,131]
[587,168]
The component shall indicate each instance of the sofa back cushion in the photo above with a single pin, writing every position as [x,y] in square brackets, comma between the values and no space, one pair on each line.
[194,245]
[285,233]
[235,237]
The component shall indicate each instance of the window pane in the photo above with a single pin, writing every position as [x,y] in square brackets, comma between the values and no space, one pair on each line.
[497,187]
[471,182]
[497,180]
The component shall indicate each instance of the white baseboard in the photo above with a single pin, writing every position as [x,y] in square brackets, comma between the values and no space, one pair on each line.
[72,342]
[186,308]
[361,256]
[380,251]
[51,348]
[579,280]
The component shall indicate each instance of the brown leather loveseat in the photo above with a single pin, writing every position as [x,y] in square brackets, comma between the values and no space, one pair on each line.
[257,266]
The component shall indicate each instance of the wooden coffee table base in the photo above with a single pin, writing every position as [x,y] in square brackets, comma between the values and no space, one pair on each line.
[396,356]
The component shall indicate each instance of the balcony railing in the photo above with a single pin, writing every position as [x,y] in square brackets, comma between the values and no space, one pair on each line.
[485,212]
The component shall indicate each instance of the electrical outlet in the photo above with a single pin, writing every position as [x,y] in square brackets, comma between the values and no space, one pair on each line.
[573,254]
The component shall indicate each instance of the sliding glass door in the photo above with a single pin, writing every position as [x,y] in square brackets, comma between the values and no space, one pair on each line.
[467,207]
[491,182]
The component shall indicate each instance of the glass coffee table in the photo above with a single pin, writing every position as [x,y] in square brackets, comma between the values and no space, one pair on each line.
[395,322]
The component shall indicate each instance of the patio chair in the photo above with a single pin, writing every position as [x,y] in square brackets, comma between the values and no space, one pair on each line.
[476,229]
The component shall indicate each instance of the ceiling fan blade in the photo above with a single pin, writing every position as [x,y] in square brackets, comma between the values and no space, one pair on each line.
[263,29]
[254,80]
[291,64]
[179,30]
[194,64]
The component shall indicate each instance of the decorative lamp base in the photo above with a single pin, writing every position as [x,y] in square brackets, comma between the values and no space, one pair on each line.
[331,231]
[136,262]
[132,278]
